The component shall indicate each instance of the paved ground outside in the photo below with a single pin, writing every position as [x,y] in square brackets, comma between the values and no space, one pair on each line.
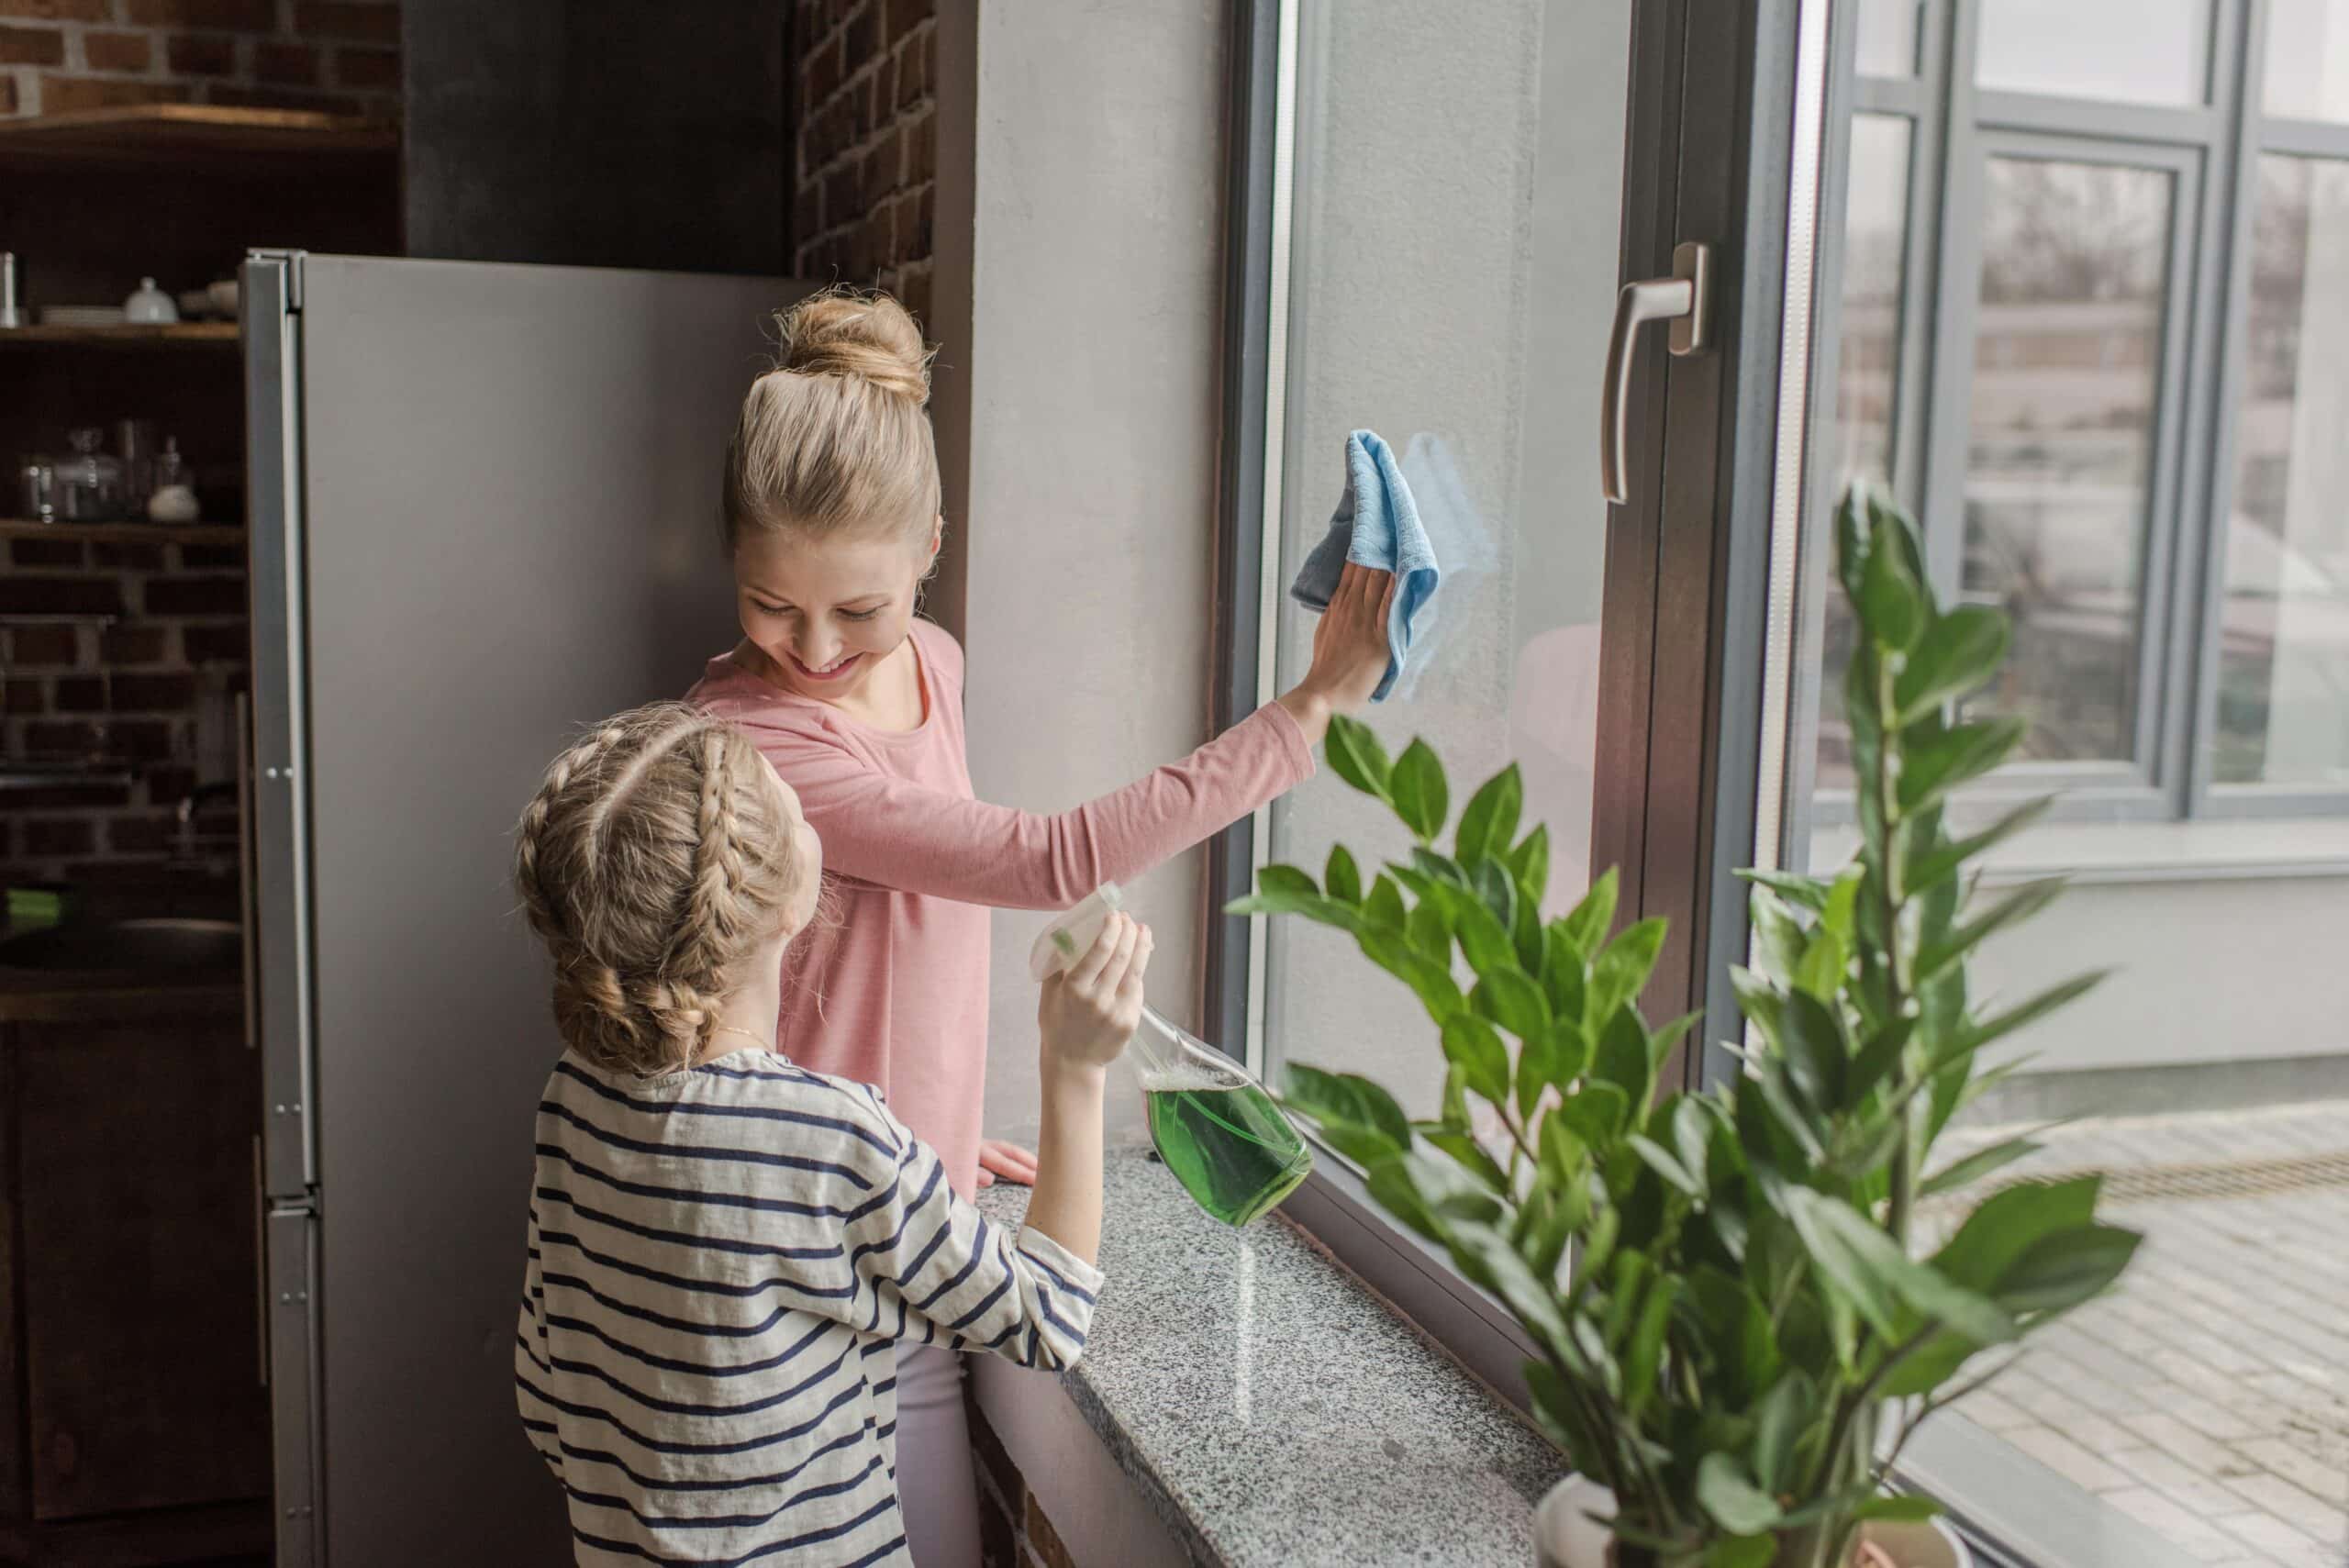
[2208,1395]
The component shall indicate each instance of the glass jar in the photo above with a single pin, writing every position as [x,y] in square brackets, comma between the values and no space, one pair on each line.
[173,500]
[90,483]
[36,489]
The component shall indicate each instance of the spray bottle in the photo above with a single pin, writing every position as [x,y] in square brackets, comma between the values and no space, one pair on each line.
[1215,1126]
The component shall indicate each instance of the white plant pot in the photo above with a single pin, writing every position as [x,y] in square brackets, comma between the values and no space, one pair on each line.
[1565,1535]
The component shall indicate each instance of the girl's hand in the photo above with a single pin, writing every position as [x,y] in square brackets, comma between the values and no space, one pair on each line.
[999,1161]
[1090,1010]
[1349,651]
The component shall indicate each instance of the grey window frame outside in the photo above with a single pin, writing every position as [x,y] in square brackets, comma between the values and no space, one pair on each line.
[2212,150]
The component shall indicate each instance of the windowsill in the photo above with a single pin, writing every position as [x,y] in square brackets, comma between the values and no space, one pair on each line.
[1272,1411]
[2146,852]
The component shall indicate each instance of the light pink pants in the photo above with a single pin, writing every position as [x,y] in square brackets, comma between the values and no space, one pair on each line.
[935,1488]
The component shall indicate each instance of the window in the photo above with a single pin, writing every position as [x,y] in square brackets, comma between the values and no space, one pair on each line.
[2091,320]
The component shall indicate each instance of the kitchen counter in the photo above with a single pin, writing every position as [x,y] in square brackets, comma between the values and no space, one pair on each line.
[1272,1411]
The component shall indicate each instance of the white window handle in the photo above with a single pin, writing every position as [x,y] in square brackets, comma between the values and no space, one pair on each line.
[1685,299]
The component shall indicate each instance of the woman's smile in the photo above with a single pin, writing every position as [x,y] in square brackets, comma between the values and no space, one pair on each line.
[839,668]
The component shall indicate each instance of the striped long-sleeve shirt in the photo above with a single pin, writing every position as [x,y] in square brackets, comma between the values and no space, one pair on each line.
[721,1262]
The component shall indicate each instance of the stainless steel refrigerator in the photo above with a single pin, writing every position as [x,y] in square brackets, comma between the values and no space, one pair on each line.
[482,505]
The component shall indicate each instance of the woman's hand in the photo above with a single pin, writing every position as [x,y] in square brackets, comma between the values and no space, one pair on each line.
[999,1161]
[1349,651]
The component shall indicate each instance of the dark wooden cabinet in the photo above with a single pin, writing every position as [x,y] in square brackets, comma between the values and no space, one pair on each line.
[137,1416]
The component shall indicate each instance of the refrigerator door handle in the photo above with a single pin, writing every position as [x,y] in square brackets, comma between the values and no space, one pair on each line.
[280,708]
[294,1393]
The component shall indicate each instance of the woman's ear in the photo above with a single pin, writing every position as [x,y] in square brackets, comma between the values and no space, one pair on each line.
[937,536]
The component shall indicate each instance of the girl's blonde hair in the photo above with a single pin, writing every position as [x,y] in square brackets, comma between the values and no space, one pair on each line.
[836,436]
[656,857]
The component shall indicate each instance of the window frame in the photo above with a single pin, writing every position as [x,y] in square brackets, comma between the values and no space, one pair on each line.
[2212,150]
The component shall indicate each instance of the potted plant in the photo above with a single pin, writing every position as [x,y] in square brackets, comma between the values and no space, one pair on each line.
[1738,1320]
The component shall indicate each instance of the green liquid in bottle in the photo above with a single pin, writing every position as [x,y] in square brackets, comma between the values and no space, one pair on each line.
[1230,1147]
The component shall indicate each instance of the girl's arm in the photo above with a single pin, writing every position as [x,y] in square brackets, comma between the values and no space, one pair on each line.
[894,833]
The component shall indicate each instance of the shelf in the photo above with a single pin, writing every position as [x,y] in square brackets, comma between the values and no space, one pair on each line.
[181,135]
[174,335]
[125,533]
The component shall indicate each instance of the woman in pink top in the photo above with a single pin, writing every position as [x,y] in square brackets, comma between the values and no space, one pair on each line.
[831,516]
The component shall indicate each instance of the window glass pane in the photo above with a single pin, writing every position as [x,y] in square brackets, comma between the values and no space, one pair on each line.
[2283,714]
[1867,361]
[1887,38]
[2307,59]
[2135,51]
[1460,309]
[2066,359]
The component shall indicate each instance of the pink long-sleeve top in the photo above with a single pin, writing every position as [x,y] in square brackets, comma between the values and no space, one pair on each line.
[892,989]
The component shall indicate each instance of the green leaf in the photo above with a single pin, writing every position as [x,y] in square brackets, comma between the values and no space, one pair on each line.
[1455,1099]
[1417,786]
[1571,1051]
[1958,653]
[1980,1034]
[1488,822]
[1891,603]
[1622,1058]
[1666,1164]
[1743,1551]
[1595,1114]
[1435,868]
[1383,906]
[1472,1157]
[1586,926]
[1644,1353]
[1565,973]
[2009,1221]
[1349,1098]
[1729,1495]
[2060,1271]
[1472,1045]
[1855,535]
[1356,756]
[1976,1165]
[1512,1001]
[1286,890]
[1497,890]
[1816,1055]
[1870,1266]
[1944,859]
[1430,933]
[1693,1125]
[1778,934]
[1432,982]
[1529,864]
[1803,892]
[2021,904]
[1622,969]
[1902,1509]
[1286,882]
[1342,877]
[1821,971]
[1391,1188]
[1535,1071]
[1482,936]
[1778,1422]
[1938,760]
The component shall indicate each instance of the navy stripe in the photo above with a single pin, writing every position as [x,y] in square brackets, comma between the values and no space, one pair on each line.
[913,1270]
[681,1325]
[657,1445]
[689,1195]
[687,1283]
[1044,1305]
[696,1368]
[813,1538]
[1058,1278]
[789,1074]
[1035,1341]
[975,1313]
[756,1113]
[929,1189]
[725,1521]
[697,1152]
[669,1483]
[978,1251]
[679,1407]
[685,1237]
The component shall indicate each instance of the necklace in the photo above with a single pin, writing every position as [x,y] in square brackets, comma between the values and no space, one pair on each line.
[763,1041]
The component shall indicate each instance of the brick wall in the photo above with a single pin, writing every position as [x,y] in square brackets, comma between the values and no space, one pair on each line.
[868,143]
[1013,1530]
[128,689]
[57,56]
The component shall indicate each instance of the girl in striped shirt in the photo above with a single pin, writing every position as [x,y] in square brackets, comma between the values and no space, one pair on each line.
[726,1249]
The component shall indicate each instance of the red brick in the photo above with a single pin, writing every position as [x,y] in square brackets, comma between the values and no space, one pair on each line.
[225,15]
[918,249]
[118,52]
[59,596]
[22,697]
[905,16]
[142,835]
[132,645]
[169,693]
[43,645]
[141,740]
[283,99]
[167,784]
[929,57]
[863,40]
[913,78]
[998,1546]
[1044,1540]
[843,195]
[367,68]
[80,693]
[62,796]
[348,23]
[56,836]
[201,54]
[822,73]
[216,644]
[922,147]
[285,65]
[31,46]
[880,241]
[195,596]
[45,551]
[134,556]
[808,212]
[67,94]
[884,168]
[56,10]
[7,95]
[916,298]
[995,1461]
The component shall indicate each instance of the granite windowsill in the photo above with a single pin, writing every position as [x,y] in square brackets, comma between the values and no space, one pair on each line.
[1272,1411]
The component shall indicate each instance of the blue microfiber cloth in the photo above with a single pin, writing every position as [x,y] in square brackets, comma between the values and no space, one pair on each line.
[1376,525]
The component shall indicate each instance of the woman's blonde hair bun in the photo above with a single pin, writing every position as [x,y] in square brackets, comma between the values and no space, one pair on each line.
[846,332]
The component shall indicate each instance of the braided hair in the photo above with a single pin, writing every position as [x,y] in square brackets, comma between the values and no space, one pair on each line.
[655,857]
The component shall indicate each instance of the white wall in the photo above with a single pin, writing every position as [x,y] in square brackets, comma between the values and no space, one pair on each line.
[1084,377]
